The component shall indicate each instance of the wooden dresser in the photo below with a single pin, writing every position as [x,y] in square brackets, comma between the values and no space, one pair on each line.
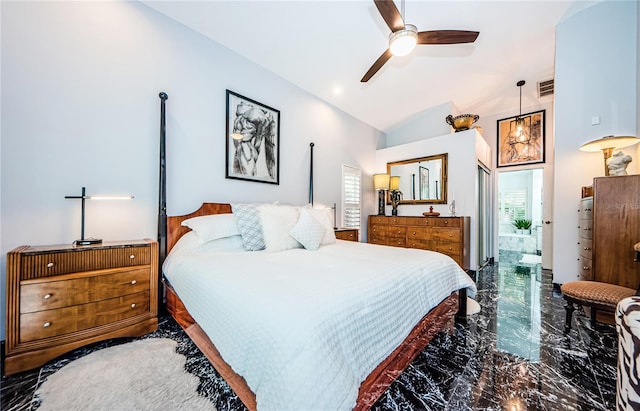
[349,234]
[63,297]
[585,234]
[447,235]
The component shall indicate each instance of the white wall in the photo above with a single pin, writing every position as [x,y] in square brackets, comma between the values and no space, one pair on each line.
[425,124]
[464,150]
[80,107]
[596,75]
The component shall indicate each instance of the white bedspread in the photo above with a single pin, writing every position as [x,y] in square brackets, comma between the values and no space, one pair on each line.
[305,328]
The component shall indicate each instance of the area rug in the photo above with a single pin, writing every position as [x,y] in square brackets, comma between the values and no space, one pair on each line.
[141,375]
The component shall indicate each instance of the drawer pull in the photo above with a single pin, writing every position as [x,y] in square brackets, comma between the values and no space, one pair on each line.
[133,305]
[50,265]
[585,268]
[450,235]
[47,324]
[132,256]
[46,297]
[133,282]
[446,222]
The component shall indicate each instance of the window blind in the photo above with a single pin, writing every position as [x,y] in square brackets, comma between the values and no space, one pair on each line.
[351,194]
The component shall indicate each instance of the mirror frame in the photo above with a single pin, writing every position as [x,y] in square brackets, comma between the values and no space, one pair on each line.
[443,178]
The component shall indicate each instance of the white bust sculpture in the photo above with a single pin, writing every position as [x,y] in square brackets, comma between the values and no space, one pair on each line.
[618,163]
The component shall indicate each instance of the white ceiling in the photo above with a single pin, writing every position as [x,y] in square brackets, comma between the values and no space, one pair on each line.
[325,47]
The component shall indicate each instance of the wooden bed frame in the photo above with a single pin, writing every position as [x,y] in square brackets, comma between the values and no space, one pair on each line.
[371,388]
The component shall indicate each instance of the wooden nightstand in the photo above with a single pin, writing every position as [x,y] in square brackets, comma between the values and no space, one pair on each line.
[349,234]
[62,297]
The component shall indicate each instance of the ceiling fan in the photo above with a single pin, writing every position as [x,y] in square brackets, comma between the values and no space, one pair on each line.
[404,37]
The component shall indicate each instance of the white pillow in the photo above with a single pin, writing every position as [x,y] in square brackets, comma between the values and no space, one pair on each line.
[324,215]
[213,227]
[277,221]
[308,231]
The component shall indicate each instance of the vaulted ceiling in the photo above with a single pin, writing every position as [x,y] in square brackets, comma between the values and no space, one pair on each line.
[325,47]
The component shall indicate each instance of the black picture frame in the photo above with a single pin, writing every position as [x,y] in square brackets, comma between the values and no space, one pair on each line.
[515,153]
[252,140]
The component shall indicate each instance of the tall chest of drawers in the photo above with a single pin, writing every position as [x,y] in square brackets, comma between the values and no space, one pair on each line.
[63,297]
[447,235]
[585,239]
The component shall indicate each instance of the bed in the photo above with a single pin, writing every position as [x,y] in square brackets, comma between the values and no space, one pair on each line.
[309,356]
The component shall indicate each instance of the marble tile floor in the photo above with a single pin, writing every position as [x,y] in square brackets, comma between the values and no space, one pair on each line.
[513,355]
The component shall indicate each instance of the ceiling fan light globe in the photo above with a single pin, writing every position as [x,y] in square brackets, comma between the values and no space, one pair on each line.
[402,42]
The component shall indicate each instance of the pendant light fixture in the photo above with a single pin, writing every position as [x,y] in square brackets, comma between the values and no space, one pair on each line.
[520,127]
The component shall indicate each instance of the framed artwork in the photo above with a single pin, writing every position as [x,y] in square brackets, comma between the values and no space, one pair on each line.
[252,140]
[424,183]
[521,147]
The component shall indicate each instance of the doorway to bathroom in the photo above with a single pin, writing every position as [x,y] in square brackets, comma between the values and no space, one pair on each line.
[520,216]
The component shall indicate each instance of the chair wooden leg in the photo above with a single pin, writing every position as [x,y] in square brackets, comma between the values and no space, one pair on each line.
[570,309]
[593,318]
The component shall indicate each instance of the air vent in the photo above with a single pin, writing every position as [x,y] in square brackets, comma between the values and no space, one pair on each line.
[545,88]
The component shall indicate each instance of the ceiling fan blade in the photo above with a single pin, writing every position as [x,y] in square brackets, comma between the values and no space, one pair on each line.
[377,65]
[390,14]
[447,36]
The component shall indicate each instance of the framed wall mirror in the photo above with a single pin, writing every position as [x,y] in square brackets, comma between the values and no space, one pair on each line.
[422,180]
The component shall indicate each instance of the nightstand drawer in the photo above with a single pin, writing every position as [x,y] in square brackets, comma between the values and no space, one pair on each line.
[348,234]
[50,323]
[73,289]
[69,261]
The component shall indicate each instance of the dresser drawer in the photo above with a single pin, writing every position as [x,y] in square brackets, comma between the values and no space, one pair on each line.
[450,249]
[421,243]
[585,230]
[50,323]
[418,221]
[585,247]
[586,270]
[382,220]
[73,289]
[446,222]
[395,232]
[417,232]
[446,234]
[70,261]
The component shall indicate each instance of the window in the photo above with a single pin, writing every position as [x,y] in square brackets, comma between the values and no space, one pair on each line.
[351,177]
[513,205]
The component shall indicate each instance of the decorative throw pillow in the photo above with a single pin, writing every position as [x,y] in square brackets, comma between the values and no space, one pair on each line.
[249,225]
[324,215]
[212,227]
[277,221]
[308,231]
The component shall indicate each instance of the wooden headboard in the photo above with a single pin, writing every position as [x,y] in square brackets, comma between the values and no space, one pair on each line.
[174,228]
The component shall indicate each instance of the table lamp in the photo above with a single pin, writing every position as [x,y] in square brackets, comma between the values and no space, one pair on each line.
[381,183]
[395,193]
[83,197]
[607,144]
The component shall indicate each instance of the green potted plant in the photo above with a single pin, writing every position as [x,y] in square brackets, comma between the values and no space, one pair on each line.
[522,225]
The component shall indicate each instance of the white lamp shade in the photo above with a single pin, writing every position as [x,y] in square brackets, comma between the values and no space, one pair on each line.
[381,181]
[394,183]
[612,142]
